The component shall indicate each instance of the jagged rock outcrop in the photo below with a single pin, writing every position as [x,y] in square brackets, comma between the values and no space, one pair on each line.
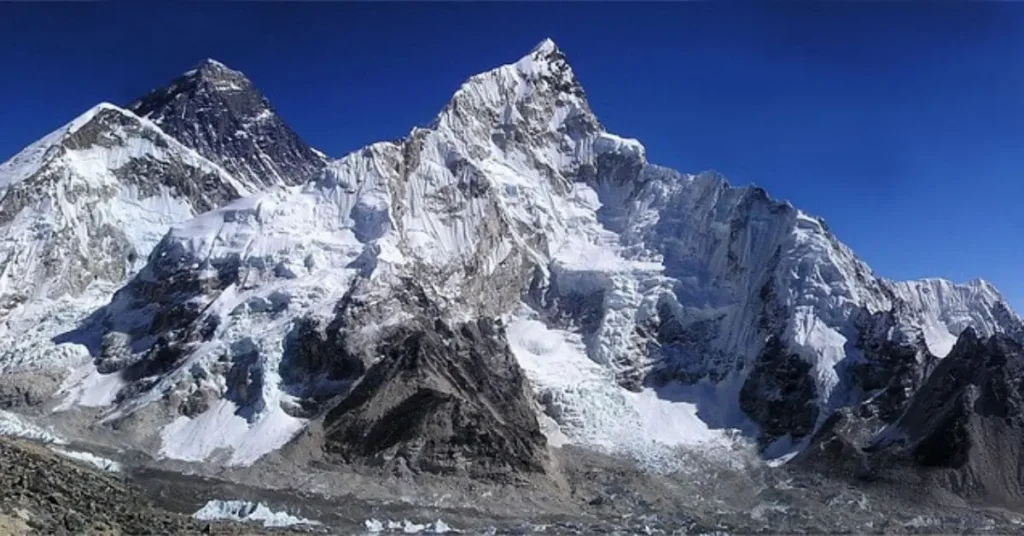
[961,431]
[966,423]
[220,114]
[440,399]
[779,394]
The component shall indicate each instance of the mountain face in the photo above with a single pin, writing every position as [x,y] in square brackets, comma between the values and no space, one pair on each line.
[509,278]
[81,209]
[79,212]
[960,431]
[220,114]
[967,422]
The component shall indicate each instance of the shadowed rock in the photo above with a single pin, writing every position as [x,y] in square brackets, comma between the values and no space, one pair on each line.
[220,114]
[441,400]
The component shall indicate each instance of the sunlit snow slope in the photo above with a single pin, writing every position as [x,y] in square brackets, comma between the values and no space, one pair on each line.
[79,211]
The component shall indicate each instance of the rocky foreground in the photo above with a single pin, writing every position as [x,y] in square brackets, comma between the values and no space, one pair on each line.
[44,493]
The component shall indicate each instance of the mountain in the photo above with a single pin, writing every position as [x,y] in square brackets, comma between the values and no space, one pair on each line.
[79,212]
[220,114]
[82,208]
[960,432]
[511,278]
[966,423]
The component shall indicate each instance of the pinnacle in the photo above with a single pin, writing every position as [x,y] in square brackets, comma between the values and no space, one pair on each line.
[212,64]
[545,47]
[212,69]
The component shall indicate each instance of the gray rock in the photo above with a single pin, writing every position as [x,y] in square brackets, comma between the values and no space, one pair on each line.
[441,399]
[779,394]
[27,389]
[218,112]
[53,495]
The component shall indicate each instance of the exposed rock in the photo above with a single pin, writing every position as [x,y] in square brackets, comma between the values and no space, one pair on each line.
[27,389]
[44,493]
[961,431]
[218,112]
[440,399]
[893,362]
[836,449]
[966,423]
[779,394]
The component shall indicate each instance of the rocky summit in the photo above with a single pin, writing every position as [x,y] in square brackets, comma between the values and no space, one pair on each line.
[509,311]
[217,112]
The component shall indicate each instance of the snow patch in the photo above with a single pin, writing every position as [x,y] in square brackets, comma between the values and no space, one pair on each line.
[375,526]
[88,388]
[221,427]
[249,512]
[17,426]
[103,464]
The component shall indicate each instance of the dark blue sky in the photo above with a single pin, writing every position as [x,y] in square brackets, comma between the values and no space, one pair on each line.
[901,124]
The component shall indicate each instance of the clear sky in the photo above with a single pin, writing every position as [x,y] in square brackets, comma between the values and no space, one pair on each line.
[901,124]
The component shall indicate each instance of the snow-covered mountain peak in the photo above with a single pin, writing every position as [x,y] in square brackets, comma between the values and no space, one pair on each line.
[984,285]
[103,139]
[210,75]
[81,120]
[545,47]
[81,209]
[947,309]
[22,165]
[213,76]
[220,113]
[540,90]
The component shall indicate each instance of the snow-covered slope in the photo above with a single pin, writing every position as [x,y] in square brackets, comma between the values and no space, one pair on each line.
[79,212]
[649,309]
[947,309]
[81,209]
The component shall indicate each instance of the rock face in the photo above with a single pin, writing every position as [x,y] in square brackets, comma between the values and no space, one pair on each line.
[961,431]
[967,421]
[646,308]
[218,112]
[441,400]
[80,210]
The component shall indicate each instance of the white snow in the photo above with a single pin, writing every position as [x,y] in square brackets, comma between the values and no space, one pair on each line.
[220,427]
[375,526]
[609,143]
[947,308]
[17,426]
[101,463]
[88,388]
[591,409]
[249,512]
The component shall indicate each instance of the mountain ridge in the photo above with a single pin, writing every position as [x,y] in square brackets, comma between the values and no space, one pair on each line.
[647,309]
